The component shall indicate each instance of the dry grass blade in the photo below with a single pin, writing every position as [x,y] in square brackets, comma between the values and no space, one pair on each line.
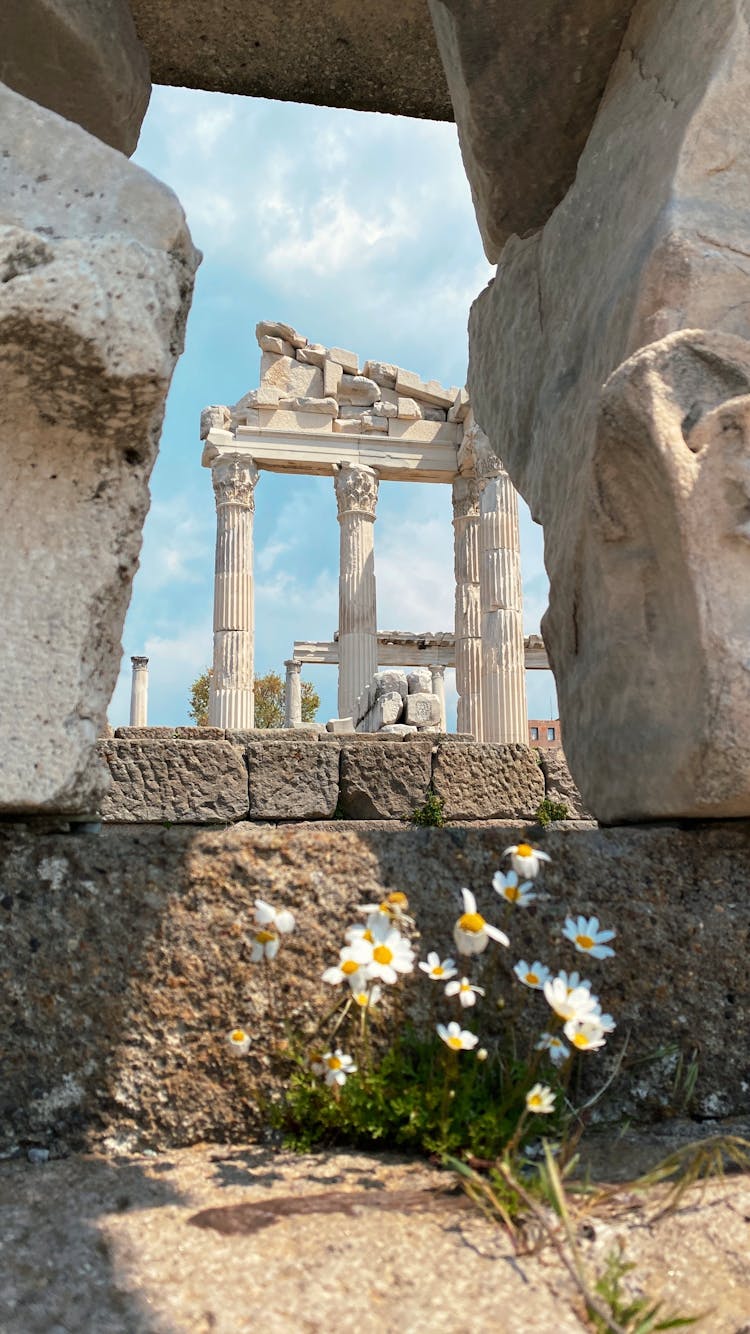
[692,1163]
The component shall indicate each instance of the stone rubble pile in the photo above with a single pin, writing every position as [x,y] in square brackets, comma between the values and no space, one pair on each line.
[399,703]
[306,386]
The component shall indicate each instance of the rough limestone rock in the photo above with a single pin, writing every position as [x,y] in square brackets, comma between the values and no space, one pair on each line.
[97,270]
[487,782]
[419,681]
[621,418]
[292,782]
[390,679]
[383,781]
[125,960]
[559,785]
[422,710]
[168,780]
[80,58]
[525,85]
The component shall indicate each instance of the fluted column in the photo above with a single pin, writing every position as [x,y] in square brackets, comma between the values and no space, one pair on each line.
[437,671]
[293,694]
[139,693]
[468,629]
[356,498]
[504,712]
[231,702]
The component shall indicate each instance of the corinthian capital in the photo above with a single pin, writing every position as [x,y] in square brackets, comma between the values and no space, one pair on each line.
[234,479]
[476,454]
[466,492]
[356,489]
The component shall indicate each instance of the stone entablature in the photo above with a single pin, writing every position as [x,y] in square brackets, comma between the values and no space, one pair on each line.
[408,648]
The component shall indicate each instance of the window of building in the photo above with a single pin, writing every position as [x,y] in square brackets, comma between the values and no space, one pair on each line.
[534,733]
[550,733]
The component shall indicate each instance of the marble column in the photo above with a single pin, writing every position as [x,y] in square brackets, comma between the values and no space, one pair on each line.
[231,702]
[504,710]
[437,671]
[468,628]
[139,693]
[293,694]
[356,497]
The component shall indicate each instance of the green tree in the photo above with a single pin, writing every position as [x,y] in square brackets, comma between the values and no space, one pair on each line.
[269,700]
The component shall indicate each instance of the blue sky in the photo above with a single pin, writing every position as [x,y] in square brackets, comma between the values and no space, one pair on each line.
[357,229]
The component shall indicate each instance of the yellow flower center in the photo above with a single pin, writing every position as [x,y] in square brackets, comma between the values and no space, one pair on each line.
[585,942]
[532,979]
[398,899]
[438,970]
[349,966]
[361,998]
[367,935]
[580,1040]
[466,986]
[382,954]
[263,937]
[473,922]
[333,1063]
[454,1043]
[525,850]
[535,1100]
[238,1035]
[511,893]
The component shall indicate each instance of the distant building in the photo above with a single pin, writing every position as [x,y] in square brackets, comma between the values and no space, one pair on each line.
[545,733]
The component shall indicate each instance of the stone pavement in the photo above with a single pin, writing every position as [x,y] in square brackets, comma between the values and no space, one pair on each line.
[91,1245]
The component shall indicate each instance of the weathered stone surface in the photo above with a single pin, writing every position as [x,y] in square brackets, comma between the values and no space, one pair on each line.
[422,710]
[398,729]
[559,785]
[387,708]
[487,782]
[170,780]
[291,377]
[349,361]
[638,484]
[200,733]
[384,781]
[340,725]
[425,391]
[419,681]
[275,329]
[146,733]
[139,961]
[292,782]
[358,389]
[81,59]
[382,371]
[525,88]
[391,679]
[96,285]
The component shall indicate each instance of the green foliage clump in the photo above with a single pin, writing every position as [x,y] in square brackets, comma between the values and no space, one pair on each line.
[549,810]
[431,814]
[417,1096]
[270,693]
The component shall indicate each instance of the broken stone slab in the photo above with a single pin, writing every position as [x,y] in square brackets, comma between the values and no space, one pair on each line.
[274,329]
[97,269]
[314,354]
[369,423]
[614,419]
[292,782]
[340,725]
[381,371]
[487,781]
[278,346]
[386,708]
[216,417]
[431,414]
[81,60]
[461,407]
[348,361]
[174,781]
[357,389]
[327,407]
[290,376]
[429,391]
[348,425]
[399,729]
[385,407]
[409,409]
[422,710]
[332,374]
[388,680]
[524,105]
[419,681]
[266,396]
[383,781]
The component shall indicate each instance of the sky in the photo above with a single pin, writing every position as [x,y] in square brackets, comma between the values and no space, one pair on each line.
[358,230]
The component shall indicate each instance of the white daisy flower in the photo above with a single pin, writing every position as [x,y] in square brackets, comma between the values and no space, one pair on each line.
[508,888]
[265,945]
[532,975]
[353,960]
[586,936]
[576,1004]
[395,905]
[391,953]
[471,933]
[439,970]
[558,1052]
[367,996]
[540,1100]
[337,1066]
[467,994]
[278,919]
[456,1037]
[238,1041]
[605,1021]
[358,932]
[573,980]
[586,1033]
[525,860]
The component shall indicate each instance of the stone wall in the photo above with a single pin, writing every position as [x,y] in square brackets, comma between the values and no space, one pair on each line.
[124,960]
[211,776]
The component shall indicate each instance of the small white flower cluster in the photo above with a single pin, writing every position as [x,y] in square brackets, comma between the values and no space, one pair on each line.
[270,923]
